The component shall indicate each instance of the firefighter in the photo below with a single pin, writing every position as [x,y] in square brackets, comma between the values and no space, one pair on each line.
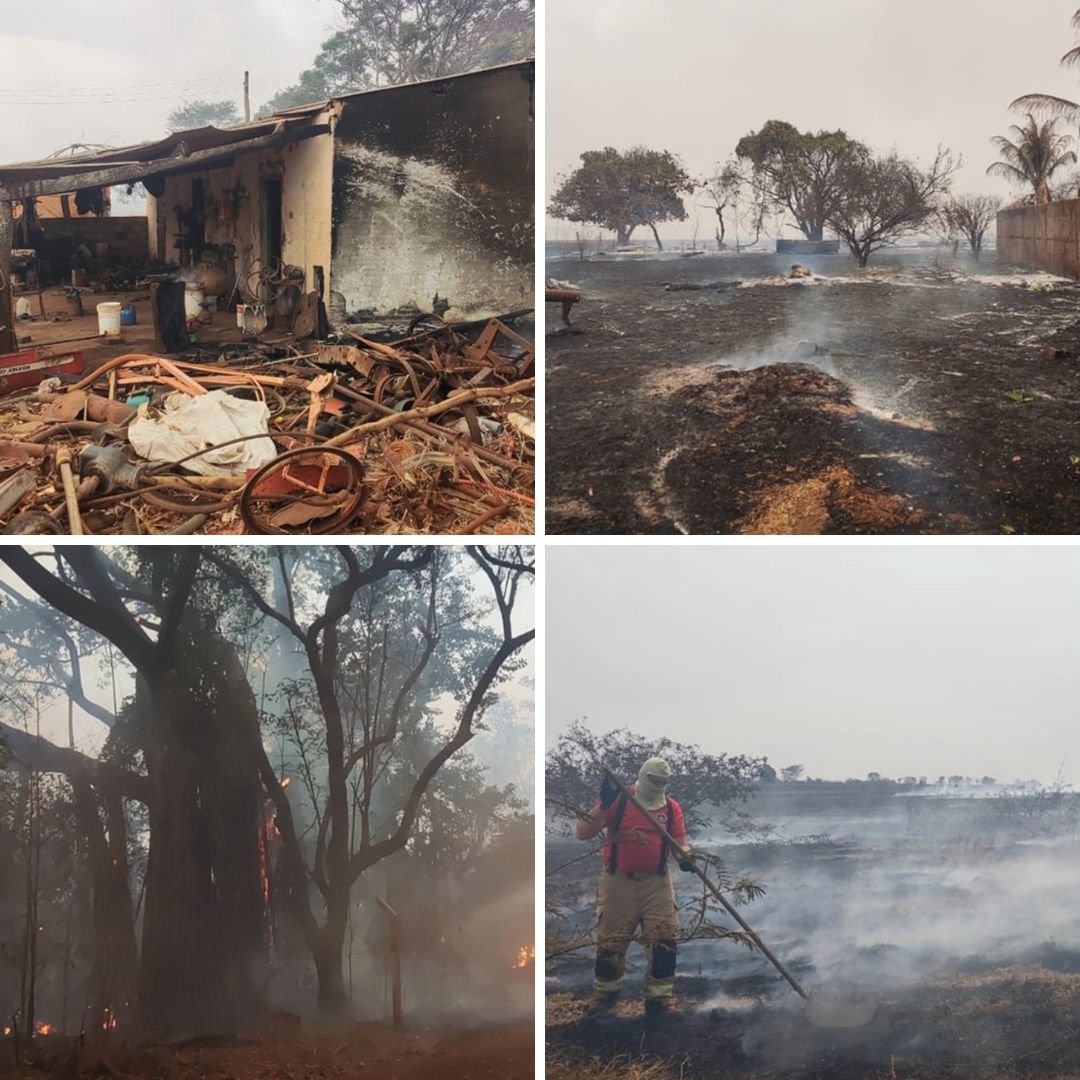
[635,885]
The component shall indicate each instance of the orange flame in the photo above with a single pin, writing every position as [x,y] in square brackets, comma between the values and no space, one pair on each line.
[43,1029]
[108,1020]
[7,1031]
[526,954]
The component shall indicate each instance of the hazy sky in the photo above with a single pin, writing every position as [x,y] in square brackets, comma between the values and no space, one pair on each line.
[90,733]
[120,68]
[904,660]
[693,76]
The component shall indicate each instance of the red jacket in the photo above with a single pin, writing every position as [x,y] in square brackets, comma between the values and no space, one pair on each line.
[641,849]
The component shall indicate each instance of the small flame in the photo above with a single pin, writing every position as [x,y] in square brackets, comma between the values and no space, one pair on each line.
[526,954]
[108,1020]
[7,1031]
[43,1029]
[286,782]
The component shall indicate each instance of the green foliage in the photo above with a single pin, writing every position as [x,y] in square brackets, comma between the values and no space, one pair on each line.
[1031,154]
[389,42]
[195,114]
[624,190]
[799,172]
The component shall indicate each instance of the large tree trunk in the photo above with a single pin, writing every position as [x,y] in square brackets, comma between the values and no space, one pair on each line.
[659,243]
[327,953]
[204,957]
[114,963]
[623,234]
[815,232]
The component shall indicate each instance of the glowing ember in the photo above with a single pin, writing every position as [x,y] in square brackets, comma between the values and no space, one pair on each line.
[7,1031]
[43,1029]
[286,782]
[526,954]
[109,1020]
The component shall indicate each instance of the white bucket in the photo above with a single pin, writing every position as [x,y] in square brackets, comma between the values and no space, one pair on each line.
[193,302]
[108,319]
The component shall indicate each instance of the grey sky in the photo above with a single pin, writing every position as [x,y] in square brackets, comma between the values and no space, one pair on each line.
[90,733]
[693,76]
[124,66]
[846,659]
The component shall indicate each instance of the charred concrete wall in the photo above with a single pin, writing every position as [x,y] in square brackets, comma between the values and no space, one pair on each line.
[1045,237]
[433,196]
[233,197]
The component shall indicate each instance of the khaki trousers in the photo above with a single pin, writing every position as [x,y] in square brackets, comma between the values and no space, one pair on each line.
[626,902]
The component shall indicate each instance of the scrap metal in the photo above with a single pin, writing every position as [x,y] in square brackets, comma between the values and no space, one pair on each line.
[431,433]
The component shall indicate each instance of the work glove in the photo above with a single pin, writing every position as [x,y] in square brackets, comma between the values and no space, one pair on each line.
[687,865]
[609,791]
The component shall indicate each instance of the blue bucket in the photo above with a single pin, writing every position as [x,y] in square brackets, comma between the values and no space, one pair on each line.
[127,315]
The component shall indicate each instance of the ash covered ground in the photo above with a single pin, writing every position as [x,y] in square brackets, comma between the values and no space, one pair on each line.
[955,915]
[287,1051]
[920,396]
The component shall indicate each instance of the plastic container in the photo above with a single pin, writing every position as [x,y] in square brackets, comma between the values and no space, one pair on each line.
[22,308]
[108,319]
[193,301]
[127,315]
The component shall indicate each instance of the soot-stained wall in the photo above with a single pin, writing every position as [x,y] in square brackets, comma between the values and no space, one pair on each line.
[433,195]
[1046,237]
[233,195]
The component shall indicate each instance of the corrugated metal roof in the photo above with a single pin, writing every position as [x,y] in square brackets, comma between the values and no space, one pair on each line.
[171,151]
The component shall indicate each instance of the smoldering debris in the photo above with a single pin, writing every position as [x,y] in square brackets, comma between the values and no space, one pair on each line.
[949,417]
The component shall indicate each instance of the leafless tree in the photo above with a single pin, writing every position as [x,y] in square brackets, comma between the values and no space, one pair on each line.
[884,198]
[971,215]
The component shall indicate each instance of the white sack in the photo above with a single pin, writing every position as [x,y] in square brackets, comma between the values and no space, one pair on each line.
[192,423]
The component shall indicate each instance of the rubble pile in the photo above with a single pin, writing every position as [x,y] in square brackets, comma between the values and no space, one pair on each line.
[433,433]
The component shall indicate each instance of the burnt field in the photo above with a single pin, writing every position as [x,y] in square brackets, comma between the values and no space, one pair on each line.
[953,915]
[921,396]
[286,1050]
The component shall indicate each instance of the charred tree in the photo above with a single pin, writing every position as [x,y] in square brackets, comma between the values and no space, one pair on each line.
[202,947]
[340,857]
[115,959]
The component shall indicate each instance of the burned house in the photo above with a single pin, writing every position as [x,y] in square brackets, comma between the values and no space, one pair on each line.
[415,198]
[329,296]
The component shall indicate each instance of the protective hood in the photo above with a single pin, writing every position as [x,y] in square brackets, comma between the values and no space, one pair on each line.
[649,795]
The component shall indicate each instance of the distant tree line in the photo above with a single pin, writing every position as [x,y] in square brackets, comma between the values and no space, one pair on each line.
[827,181]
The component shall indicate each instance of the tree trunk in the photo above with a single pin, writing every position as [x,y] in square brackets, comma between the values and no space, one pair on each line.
[114,963]
[815,232]
[329,968]
[659,244]
[204,957]
[623,234]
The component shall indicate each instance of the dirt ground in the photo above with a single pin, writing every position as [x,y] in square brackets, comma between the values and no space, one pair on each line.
[288,1052]
[916,397]
[1003,1023]
[59,333]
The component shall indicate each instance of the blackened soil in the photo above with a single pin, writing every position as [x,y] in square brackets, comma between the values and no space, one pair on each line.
[1009,1022]
[932,405]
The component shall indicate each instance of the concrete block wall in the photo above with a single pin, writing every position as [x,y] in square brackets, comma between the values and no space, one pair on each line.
[1043,237]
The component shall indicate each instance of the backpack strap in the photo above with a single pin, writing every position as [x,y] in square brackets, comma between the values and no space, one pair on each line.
[662,867]
[616,825]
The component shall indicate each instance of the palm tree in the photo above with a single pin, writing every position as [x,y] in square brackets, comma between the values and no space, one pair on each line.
[1032,156]
[1050,104]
